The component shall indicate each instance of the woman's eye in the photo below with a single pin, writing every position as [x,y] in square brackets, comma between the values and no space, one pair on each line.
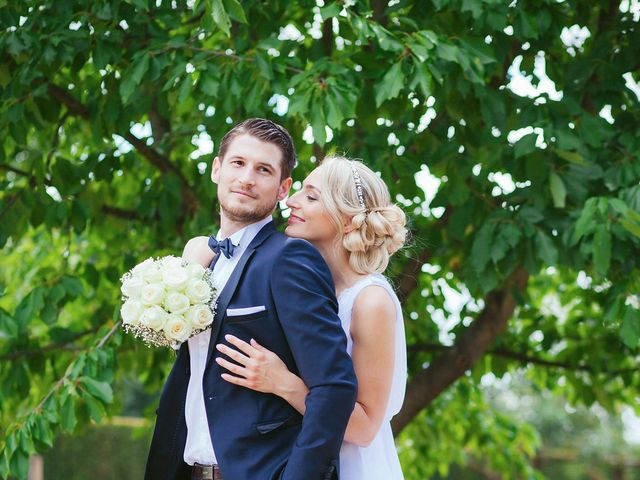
[311,199]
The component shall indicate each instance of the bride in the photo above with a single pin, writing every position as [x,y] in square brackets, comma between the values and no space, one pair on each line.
[344,209]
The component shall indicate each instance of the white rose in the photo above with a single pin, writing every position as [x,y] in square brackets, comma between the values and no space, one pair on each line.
[177,328]
[171,262]
[131,311]
[198,291]
[175,278]
[132,287]
[152,274]
[195,271]
[154,317]
[199,316]
[141,269]
[152,294]
[176,302]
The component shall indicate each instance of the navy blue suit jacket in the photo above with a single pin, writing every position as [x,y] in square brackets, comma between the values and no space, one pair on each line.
[258,436]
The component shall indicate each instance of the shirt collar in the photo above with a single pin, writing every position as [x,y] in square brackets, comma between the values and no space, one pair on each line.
[244,236]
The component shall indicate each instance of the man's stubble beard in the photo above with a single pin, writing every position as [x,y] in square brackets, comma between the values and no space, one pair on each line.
[247,215]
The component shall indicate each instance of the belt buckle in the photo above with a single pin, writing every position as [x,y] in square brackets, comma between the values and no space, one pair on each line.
[207,472]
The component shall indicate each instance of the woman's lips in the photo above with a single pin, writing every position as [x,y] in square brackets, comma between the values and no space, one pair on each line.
[295,219]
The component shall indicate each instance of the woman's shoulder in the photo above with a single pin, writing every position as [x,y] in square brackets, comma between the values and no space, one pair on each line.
[197,250]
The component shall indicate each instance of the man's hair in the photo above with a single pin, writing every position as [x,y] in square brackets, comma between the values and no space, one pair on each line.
[269,132]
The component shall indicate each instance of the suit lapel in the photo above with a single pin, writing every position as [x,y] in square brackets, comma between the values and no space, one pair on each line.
[229,289]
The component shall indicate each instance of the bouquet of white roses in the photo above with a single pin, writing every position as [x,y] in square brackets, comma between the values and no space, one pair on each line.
[167,301]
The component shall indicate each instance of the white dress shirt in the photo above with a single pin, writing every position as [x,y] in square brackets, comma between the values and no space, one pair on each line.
[199,447]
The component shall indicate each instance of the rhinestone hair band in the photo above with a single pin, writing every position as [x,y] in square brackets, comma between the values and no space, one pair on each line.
[358,182]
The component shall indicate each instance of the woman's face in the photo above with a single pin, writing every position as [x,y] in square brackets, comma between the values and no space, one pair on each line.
[309,219]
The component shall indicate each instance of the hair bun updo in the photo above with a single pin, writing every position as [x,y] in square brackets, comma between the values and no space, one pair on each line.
[377,229]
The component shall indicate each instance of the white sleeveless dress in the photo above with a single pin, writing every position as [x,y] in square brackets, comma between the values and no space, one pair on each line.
[378,461]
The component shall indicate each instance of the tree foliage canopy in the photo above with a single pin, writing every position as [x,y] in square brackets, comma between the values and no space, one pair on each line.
[106,108]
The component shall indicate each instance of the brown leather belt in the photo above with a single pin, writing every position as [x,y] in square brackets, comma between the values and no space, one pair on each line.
[205,472]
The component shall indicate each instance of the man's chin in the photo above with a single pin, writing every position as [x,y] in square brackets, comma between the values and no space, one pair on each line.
[245,215]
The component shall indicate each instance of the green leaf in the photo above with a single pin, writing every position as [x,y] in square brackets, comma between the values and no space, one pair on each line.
[72,285]
[630,329]
[481,249]
[68,418]
[391,84]
[613,312]
[29,307]
[139,68]
[101,390]
[133,76]
[619,206]
[8,326]
[572,157]
[602,249]
[318,125]
[525,145]
[448,52]
[264,64]
[586,220]
[473,6]
[20,463]
[235,11]
[220,16]
[330,11]
[386,39]
[558,190]
[631,227]
[422,77]
[100,54]
[94,408]
[546,250]
[530,214]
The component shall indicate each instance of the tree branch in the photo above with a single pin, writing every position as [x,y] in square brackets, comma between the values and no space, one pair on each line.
[106,209]
[451,364]
[156,159]
[160,126]
[120,212]
[524,358]
[67,345]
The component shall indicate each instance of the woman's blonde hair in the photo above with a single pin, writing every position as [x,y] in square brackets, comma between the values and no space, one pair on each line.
[351,190]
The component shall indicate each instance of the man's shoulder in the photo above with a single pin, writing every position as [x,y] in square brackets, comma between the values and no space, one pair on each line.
[279,243]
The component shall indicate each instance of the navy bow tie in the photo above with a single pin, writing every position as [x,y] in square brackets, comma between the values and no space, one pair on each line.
[225,246]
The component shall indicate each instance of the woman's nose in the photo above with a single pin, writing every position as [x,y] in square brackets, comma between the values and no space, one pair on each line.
[292,201]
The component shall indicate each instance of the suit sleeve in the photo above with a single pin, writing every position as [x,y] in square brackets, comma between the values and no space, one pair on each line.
[304,296]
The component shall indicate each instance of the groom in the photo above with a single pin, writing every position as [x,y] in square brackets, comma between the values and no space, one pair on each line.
[274,289]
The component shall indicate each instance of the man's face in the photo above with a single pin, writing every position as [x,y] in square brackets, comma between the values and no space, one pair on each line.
[248,179]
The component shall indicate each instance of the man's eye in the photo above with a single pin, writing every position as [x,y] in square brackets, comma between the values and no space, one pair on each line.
[265,170]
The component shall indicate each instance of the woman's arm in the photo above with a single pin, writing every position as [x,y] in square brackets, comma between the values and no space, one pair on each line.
[197,251]
[372,330]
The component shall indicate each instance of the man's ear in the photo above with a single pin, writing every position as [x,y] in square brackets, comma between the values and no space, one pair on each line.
[215,170]
[283,190]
